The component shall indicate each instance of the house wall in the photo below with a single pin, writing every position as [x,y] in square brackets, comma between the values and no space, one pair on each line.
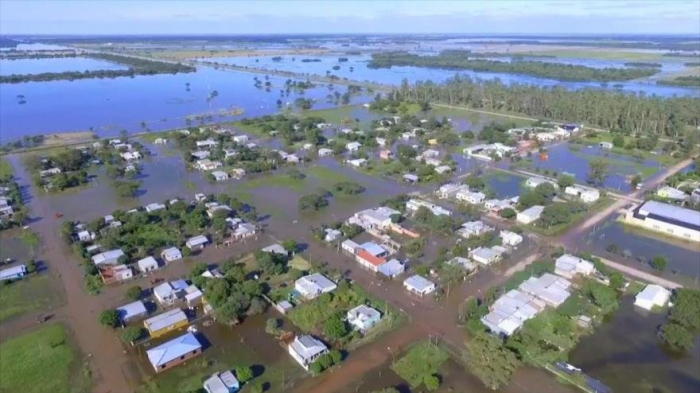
[166,329]
[663,227]
[181,359]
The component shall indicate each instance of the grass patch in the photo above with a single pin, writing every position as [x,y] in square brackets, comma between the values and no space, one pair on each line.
[251,129]
[326,174]
[6,170]
[277,180]
[299,263]
[600,54]
[422,360]
[39,362]
[341,114]
[31,239]
[575,219]
[31,293]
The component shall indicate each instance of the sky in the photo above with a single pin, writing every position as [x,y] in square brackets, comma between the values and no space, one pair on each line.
[292,17]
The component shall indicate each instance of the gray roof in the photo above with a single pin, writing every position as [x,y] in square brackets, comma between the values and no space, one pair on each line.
[419,283]
[107,257]
[165,319]
[307,347]
[671,212]
[173,349]
[13,272]
[391,268]
[224,382]
[131,310]
[197,241]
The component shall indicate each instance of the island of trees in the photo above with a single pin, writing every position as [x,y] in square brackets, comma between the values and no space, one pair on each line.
[135,67]
[462,60]
[687,81]
[14,54]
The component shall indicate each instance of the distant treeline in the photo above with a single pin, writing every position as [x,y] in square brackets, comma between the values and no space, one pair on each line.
[514,55]
[595,107]
[642,64]
[692,64]
[136,67]
[459,60]
[20,54]
[688,81]
[310,60]
[680,54]
[675,45]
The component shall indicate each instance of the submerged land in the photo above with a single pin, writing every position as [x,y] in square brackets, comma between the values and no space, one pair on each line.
[484,168]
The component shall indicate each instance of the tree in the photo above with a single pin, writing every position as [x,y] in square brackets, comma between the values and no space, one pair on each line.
[555,214]
[450,275]
[686,309]
[565,181]
[244,374]
[490,361]
[257,388]
[316,368]
[676,336]
[31,266]
[659,263]
[636,180]
[335,327]
[616,280]
[109,318]
[618,141]
[272,326]
[432,382]
[601,295]
[598,171]
[312,202]
[290,245]
[508,213]
[336,356]
[132,333]
[134,292]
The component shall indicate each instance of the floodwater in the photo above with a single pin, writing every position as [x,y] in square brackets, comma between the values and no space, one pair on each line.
[504,185]
[59,64]
[624,353]
[396,75]
[574,160]
[161,101]
[639,246]
[454,378]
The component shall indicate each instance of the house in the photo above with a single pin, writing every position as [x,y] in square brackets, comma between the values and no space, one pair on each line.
[419,285]
[324,152]
[224,382]
[213,273]
[529,215]
[207,144]
[50,172]
[353,146]
[115,273]
[131,311]
[240,138]
[441,170]
[536,181]
[306,349]
[174,352]
[464,262]
[201,154]
[86,236]
[652,296]
[168,293]
[381,141]
[292,159]
[160,141]
[550,288]
[485,255]
[496,205]
[473,228]
[276,248]
[392,268]
[376,218]
[244,230]
[449,190]
[208,165]
[147,264]
[197,242]
[386,154]
[131,155]
[358,162]
[410,178]
[587,195]
[237,173]
[332,235]
[605,145]
[108,257]
[414,204]
[433,161]
[568,266]
[171,254]
[193,296]
[487,152]
[367,259]
[509,238]
[668,219]
[228,153]
[13,273]
[671,193]
[350,246]
[363,317]
[570,128]
[308,146]
[408,135]
[473,197]
[510,311]
[314,285]
[153,207]
[219,175]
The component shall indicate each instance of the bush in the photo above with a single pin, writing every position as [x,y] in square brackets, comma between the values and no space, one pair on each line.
[132,333]
[134,293]
[431,382]
[659,263]
[109,318]
[244,374]
[508,213]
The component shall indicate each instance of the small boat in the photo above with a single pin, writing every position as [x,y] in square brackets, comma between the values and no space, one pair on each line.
[192,329]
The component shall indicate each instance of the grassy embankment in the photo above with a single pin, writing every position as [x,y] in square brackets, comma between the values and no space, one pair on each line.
[42,361]
[423,360]
[27,295]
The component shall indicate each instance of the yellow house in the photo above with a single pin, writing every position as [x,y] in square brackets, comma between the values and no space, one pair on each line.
[433,142]
[166,322]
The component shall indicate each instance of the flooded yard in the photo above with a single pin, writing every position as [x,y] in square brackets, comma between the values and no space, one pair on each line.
[624,353]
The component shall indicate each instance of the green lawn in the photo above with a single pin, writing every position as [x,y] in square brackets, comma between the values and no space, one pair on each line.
[277,180]
[326,175]
[422,360]
[5,169]
[41,361]
[29,294]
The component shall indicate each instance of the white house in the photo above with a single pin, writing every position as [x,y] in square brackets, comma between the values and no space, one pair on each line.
[473,228]
[86,236]
[669,219]
[671,193]
[552,289]
[324,152]
[353,146]
[208,144]
[50,172]
[510,311]
[201,154]
[358,162]
[160,141]
[536,181]
[652,296]
[306,349]
[220,175]
[442,169]
[392,268]
[208,165]
[376,218]
[530,215]
[586,194]
[485,255]
[314,285]
[464,262]
[131,155]
[510,238]
[224,382]
[152,207]
[413,205]
[132,311]
[605,145]
[474,197]
[108,257]
[568,266]
[363,317]
[240,138]
[419,285]
[147,264]
[196,242]
[171,254]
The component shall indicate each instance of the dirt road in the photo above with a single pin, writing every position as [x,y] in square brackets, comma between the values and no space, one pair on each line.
[641,275]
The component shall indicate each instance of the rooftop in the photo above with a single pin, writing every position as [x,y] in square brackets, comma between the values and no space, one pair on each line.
[131,310]
[173,349]
[672,214]
[165,319]
[419,283]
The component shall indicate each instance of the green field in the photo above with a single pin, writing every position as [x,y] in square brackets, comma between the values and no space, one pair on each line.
[40,362]
[601,54]
[30,294]
[5,169]
[422,360]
